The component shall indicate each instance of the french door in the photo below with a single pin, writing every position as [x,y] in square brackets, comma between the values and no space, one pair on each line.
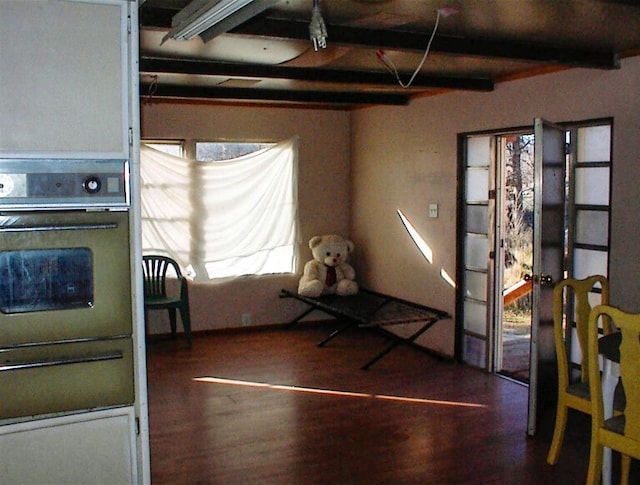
[563,202]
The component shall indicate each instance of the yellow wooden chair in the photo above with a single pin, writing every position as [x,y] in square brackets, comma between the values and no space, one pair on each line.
[572,394]
[621,432]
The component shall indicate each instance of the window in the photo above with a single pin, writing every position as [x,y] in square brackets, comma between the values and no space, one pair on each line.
[236,216]
[171,147]
[221,151]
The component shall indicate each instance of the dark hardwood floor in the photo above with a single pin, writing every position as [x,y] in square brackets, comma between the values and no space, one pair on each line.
[269,407]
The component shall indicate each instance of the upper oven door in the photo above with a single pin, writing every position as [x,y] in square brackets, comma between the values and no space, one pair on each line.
[64,276]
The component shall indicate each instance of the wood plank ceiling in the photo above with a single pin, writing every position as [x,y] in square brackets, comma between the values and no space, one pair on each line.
[269,58]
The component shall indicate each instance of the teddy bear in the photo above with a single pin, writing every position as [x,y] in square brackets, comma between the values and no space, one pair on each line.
[328,272]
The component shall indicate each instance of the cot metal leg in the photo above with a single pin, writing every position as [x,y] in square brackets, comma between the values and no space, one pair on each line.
[298,318]
[398,340]
[335,333]
[387,349]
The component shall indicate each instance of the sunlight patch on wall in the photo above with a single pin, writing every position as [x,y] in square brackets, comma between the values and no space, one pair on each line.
[445,276]
[420,242]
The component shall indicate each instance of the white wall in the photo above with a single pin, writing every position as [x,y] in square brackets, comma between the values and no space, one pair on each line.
[406,157]
[357,169]
[323,194]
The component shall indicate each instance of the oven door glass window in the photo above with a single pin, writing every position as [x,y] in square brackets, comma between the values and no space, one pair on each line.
[46,279]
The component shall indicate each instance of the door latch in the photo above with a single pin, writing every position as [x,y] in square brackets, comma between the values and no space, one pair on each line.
[543,280]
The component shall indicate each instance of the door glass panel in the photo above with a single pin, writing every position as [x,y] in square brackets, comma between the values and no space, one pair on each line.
[475,317]
[476,252]
[475,351]
[478,219]
[592,227]
[588,262]
[479,151]
[476,285]
[594,143]
[477,184]
[592,185]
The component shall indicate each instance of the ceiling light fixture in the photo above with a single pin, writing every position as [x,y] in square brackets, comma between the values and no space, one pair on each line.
[388,63]
[201,15]
[317,28]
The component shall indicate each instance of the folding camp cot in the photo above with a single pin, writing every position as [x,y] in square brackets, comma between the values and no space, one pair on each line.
[370,309]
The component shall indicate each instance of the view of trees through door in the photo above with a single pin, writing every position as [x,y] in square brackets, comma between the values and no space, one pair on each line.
[514,338]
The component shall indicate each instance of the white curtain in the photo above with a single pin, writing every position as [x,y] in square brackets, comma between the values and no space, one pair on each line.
[220,219]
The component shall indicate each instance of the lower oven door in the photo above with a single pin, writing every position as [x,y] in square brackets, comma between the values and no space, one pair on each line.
[66,377]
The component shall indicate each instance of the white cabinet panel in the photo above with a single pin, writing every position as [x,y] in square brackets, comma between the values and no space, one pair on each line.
[63,77]
[89,448]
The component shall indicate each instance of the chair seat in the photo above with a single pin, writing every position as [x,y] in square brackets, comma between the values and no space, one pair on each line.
[581,390]
[162,302]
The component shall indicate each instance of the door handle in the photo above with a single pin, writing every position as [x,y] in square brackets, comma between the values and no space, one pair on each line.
[33,364]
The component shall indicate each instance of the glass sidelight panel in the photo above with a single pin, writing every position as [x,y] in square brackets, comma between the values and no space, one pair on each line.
[478,151]
[476,285]
[477,251]
[476,244]
[592,185]
[477,184]
[475,317]
[592,227]
[594,143]
[477,220]
[587,262]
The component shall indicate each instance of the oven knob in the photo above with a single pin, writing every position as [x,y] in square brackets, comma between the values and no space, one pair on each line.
[92,184]
[6,185]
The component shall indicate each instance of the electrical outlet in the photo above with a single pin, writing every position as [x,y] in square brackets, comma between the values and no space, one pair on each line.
[246,319]
[433,211]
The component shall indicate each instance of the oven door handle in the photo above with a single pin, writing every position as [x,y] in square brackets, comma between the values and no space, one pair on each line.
[35,364]
[60,227]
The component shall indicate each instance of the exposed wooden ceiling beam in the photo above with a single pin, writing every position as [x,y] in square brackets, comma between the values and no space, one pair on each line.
[391,39]
[294,96]
[155,65]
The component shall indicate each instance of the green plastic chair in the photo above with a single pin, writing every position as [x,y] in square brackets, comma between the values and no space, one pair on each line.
[155,292]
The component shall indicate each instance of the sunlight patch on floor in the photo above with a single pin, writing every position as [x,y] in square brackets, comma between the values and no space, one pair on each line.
[279,387]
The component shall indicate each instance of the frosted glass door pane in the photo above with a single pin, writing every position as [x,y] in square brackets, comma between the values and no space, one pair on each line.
[592,185]
[477,184]
[592,227]
[476,285]
[478,219]
[588,263]
[594,144]
[475,317]
[476,252]
[478,151]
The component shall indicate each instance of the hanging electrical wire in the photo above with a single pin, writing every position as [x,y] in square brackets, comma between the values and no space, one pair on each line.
[388,63]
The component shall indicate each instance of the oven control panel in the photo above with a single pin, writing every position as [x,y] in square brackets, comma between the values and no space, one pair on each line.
[56,183]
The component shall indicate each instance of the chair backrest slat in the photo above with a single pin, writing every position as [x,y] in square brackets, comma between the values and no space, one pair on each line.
[629,326]
[576,292]
[155,270]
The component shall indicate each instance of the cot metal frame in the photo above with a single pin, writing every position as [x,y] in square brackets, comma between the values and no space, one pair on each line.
[370,309]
